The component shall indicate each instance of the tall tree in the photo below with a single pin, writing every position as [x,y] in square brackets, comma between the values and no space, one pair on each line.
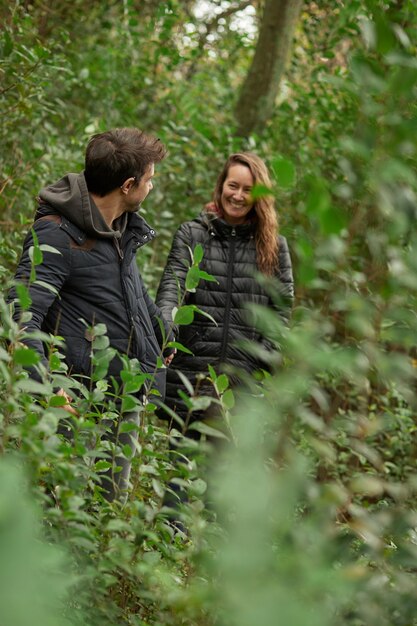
[258,93]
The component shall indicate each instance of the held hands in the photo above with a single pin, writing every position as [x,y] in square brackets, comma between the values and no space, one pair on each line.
[168,359]
[67,406]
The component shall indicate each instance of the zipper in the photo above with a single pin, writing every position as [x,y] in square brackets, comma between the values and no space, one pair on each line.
[134,340]
[125,298]
[228,295]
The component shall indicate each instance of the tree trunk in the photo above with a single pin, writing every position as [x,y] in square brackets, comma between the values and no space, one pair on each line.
[257,97]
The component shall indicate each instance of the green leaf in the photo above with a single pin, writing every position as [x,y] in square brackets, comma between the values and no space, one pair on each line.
[158,488]
[385,39]
[172,414]
[284,171]
[209,277]
[26,356]
[47,286]
[102,386]
[260,191]
[201,403]
[54,361]
[179,346]
[102,465]
[128,427]
[198,487]
[205,429]
[228,399]
[100,329]
[57,401]
[184,315]
[32,386]
[192,279]
[222,383]
[129,403]
[118,525]
[127,451]
[46,248]
[101,342]
[8,44]
[305,248]
[369,485]
[198,254]
[134,384]
[306,273]
[4,355]
[332,221]
[23,295]
[35,255]
[186,383]
[29,561]
[318,199]
[204,313]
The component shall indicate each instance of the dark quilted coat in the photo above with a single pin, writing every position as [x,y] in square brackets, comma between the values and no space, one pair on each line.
[230,256]
[97,279]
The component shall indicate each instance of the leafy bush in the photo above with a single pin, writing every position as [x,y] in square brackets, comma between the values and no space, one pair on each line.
[310,515]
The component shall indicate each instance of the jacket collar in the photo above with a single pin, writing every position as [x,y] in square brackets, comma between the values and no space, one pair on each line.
[136,227]
[138,231]
[218,226]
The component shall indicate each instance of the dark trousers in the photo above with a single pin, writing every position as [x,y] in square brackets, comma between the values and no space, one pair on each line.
[114,482]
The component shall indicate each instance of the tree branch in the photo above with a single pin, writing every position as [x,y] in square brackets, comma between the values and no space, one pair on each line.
[211,26]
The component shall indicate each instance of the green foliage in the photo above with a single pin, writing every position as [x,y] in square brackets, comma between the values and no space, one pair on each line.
[33,575]
[122,559]
[311,516]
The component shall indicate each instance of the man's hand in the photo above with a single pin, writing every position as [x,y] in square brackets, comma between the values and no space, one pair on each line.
[168,359]
[67,406]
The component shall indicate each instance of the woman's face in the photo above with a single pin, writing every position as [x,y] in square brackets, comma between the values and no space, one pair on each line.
[236,194]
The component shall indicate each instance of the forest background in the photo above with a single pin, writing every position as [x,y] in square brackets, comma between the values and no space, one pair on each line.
[314,519]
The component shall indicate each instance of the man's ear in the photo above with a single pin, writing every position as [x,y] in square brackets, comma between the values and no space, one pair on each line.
[128,184]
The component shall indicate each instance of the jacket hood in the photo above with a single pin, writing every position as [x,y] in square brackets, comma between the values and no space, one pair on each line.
[70,198]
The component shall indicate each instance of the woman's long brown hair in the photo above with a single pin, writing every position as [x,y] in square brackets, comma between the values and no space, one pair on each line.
[266,237]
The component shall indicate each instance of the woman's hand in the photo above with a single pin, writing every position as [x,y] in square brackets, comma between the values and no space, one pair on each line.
[168,359]
[67,406]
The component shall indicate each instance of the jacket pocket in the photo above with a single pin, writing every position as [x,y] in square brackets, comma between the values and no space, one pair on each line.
[190,335]
[78,356]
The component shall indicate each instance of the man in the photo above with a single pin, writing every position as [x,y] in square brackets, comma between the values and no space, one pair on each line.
[92,220]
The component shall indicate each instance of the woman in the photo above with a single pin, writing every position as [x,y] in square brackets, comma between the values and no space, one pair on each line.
[239,238]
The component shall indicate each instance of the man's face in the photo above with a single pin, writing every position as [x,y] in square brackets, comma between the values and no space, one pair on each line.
[137,193]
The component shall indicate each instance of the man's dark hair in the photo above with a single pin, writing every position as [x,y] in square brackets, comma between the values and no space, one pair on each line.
[118,154]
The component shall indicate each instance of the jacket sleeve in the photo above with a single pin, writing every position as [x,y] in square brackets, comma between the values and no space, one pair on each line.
[156,314]
[285,297]
[50,275]
[172,285]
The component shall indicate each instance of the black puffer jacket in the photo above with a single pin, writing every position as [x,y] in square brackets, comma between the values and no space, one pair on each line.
[96,277]
[230,256]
